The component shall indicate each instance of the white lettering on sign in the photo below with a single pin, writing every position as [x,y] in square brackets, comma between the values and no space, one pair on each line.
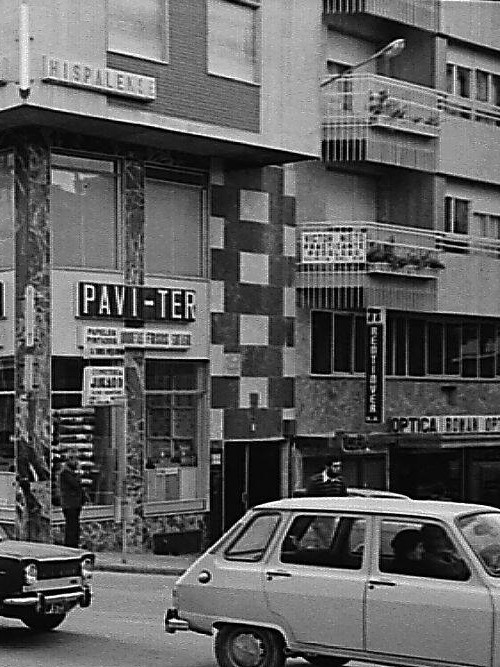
[99,79]
[447,424]
[110,342]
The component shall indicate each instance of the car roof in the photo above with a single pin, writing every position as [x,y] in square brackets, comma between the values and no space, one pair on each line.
[374,505]
[374,493]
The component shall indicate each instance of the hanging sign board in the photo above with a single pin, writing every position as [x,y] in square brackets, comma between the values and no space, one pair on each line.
[375,377]
[103,385]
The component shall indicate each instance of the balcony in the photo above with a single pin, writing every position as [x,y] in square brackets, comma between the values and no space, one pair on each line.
[361,264]
[417,13]
[376,119]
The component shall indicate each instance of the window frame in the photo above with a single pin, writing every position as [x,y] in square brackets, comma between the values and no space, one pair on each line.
[256,6]
[357,345]
[165,34]
[244,530]
[117,172]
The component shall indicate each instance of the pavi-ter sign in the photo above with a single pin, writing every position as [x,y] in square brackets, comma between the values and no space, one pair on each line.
[131,302]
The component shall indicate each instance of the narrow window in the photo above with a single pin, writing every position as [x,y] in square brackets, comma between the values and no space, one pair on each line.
[342,344]
[416,347]
[470,351]
[435,356]
[321,342]
[487,351]
[482,86]
[400,346]
[452,349]
[463,81]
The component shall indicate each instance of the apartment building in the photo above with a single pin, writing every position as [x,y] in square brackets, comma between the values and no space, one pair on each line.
[147,259]
[398,320]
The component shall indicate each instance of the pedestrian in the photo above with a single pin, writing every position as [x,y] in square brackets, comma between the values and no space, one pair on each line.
[72,500]
[328,482]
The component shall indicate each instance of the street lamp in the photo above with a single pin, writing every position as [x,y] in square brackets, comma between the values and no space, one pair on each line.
[390,50]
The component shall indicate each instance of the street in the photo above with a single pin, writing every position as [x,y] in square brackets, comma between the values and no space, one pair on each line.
[122,628]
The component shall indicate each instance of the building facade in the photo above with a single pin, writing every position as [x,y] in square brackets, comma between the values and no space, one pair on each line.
[398,320]
[148,258]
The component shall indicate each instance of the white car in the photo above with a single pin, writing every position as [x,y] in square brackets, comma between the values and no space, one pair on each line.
[321,578]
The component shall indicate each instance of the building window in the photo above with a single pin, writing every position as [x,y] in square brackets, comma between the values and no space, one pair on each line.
[84,213]
[337,343]
[174,395]
[463,77]
[233,39]
[7,414]
[174,226]
[456,215]
[138,28]
[482,86]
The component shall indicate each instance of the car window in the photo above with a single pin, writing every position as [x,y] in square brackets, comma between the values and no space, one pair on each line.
[482,532]
[325,540]
[419,549]
[251,543]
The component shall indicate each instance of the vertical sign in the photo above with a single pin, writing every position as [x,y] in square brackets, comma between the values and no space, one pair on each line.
[375,377]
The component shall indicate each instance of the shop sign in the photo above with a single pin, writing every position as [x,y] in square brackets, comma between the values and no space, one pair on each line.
[446,424]
[99,79]
[103,385]
[110,342]
[133,302]
[375,378]
[333,247]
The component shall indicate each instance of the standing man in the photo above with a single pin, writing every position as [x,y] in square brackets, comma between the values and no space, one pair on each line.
[72,498]
[329,482]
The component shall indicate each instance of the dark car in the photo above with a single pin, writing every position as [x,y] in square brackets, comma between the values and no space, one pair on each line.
[40,583]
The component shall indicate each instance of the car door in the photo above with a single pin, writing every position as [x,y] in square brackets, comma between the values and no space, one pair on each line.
[424,616]
[315,580]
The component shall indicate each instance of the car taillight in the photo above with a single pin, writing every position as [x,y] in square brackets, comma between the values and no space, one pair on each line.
[30,574]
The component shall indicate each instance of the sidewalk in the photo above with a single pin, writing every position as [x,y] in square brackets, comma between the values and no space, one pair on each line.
[142,563]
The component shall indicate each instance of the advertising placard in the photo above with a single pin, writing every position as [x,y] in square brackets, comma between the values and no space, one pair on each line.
[340,246]
[375,375]
[103,385]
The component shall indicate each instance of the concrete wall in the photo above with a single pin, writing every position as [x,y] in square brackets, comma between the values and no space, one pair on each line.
[469,150]
[471,21]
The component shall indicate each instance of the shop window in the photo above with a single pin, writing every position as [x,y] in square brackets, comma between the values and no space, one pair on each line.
[416,347]
[6,210]
[435,349]
[452,349]
[84,213]
[487,350]
[174,230]
[138,28]
[470,351]
[174,393]
[233,39]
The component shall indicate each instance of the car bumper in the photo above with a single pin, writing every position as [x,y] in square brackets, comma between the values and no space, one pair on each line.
[173,623]
[39,601]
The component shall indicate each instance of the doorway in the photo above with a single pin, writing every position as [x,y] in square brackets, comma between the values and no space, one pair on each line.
[252,475]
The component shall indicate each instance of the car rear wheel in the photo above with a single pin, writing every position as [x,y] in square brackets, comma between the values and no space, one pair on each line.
[325,661]
[242,646]
[43,622]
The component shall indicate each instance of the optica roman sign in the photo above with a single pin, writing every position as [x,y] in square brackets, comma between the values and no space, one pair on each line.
[131,302]
[99,79]
[451,424]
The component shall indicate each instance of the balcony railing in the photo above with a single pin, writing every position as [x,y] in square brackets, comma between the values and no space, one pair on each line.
[418,13]
[379,119]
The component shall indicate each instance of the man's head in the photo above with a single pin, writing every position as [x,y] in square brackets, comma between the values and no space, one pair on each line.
[434,538]
[333,467]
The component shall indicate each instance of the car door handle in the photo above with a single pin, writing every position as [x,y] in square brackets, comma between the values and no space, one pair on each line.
[277,573]
[380,582]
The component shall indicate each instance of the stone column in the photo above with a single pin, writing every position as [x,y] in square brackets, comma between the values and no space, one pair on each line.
[134,359]
[32,337]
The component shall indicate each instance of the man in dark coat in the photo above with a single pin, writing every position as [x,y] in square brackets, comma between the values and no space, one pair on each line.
[72,498]
[329,482]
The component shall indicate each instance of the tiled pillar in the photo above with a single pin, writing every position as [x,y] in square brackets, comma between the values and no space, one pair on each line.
[134,359]
[32,337]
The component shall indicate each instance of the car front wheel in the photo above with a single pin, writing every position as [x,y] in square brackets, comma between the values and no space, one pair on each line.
[241,646]
[43,622]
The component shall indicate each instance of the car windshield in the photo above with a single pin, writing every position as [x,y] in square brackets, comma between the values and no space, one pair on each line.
[482,532]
